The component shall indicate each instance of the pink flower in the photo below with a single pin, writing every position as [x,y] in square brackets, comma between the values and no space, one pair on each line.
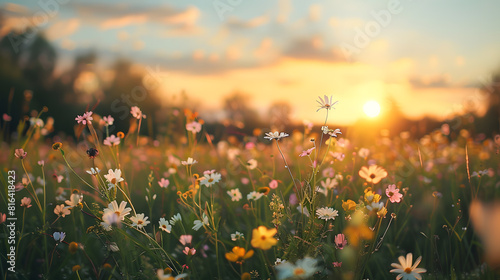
[393,193]
[245,180]
[273,184]
[306,152]
[163,182]
[186,239]
[3,217]
[86,118]
[108,120]
[137,113]
[60,210]
[249,145]
[189,251]
[26,202]
[59,178]
[112,140]
[340,241]
[20,153]
[338,155]
[6,118]
[337,264]
[328,172]
[194,127]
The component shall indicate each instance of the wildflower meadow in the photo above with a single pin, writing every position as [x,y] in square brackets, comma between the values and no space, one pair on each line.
[305,203]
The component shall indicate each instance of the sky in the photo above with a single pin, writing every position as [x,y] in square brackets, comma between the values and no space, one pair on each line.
[430,56]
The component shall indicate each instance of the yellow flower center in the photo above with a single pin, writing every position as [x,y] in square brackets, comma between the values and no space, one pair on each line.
[391,193]
[140,222]
[113,181]
[372,176]
[299,271]
[117,213]
[263,237]
[408,270]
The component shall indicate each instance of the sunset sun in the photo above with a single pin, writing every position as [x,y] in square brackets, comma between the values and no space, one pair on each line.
[371,108]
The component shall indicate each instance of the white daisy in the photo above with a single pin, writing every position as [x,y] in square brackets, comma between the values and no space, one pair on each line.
[190,161]
[139,221]
[235,194]
[406,270]
[114,177]
[120,211]
[210,179]
[165,226]
[327,213]
[198,224]
[275,135]
[254,195]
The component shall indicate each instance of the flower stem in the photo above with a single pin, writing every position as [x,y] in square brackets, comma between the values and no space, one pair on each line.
[287,167]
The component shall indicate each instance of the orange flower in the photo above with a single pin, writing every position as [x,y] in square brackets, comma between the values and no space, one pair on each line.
[262,238]
[239,255]
[373,173]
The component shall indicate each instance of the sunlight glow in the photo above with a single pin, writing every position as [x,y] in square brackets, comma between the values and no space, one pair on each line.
[371,108]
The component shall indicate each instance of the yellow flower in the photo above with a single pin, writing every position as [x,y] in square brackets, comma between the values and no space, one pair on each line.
[56,146]
[246,276]
[372,174]
[264,190]
[370,196]
[239,255]
[355,233]
[73,247]
[348,205]
[76,268]
[382,212]
[262,238]
[107,266]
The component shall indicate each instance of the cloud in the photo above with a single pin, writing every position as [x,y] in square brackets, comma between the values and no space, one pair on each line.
[123,35]
[284,8]
[315,12]
[116,16]
[14,17]
[440,81]
[68,44]
[343,23]
[15,8]
[62,28]
[265,49]
[236,23]
[138,45]
[312,48]
[123,21]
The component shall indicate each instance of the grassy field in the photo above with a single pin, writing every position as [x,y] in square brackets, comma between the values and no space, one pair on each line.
[307,204]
